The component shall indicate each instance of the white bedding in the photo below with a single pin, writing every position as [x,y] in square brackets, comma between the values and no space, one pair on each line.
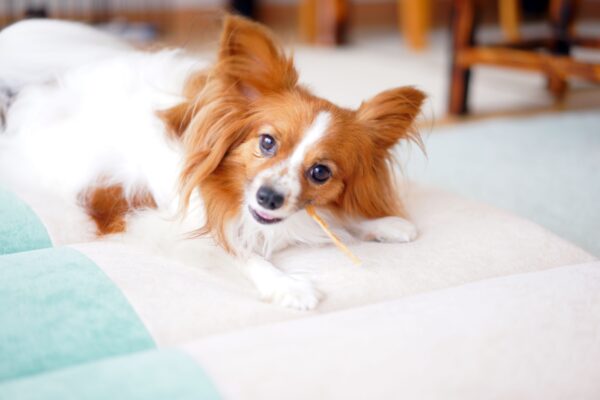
[460,242]
[525,336]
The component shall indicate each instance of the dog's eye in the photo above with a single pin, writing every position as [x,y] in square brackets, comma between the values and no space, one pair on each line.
[319,173]
[267,144]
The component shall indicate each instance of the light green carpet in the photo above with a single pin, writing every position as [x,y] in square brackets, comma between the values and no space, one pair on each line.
[544,168]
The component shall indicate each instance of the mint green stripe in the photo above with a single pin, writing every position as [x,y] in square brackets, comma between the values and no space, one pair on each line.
[57,308]
[152,375]
[20,228]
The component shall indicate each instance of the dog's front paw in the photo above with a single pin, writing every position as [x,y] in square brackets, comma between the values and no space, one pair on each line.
[389,229]
[290,291]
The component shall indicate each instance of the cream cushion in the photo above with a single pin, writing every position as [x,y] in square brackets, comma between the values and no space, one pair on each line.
[460,242]
[525,336]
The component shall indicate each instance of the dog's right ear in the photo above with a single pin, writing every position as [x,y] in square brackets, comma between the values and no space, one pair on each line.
[253,60]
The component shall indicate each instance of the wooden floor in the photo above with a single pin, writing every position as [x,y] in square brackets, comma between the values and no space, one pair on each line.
[590,103]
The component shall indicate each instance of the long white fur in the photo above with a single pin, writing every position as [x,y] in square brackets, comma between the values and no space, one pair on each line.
[93,119]
[37,50]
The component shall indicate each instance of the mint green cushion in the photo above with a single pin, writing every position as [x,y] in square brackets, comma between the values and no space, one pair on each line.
[57,308]
[20,228]
[151,375]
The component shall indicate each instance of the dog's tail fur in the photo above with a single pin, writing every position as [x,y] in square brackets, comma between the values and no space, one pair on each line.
[40,50]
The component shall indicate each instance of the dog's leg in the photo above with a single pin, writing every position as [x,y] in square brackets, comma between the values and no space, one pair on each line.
[387,229]
[278,287]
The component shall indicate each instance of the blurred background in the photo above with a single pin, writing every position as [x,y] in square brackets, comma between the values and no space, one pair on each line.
[528,68]
[349,50]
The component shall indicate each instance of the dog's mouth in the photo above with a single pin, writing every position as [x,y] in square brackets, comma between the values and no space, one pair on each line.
[263,218]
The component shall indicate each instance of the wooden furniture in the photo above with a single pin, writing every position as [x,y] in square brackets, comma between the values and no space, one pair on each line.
[326,21]
[414,20]
[548,55]
[509,14]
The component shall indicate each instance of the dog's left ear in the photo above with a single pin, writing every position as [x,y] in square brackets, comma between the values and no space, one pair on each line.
[252,59]
[177,118]
[389,116]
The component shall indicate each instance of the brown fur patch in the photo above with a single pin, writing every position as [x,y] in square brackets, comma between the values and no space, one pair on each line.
[108,206]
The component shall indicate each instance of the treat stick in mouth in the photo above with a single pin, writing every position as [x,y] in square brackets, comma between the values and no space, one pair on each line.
[311,211]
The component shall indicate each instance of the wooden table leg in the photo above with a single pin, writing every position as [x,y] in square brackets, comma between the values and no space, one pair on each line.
[463,29]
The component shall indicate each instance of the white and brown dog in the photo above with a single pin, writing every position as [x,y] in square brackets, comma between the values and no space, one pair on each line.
[237,147]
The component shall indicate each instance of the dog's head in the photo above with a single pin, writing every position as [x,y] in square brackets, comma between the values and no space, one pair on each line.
[257,142]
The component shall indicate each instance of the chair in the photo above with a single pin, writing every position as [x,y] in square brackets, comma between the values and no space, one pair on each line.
[548,55]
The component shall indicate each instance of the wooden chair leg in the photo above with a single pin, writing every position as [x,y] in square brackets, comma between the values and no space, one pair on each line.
[414,19]
[463,30]
[308,20]
[341,11]
[510,16]
[562,18]
[324,21]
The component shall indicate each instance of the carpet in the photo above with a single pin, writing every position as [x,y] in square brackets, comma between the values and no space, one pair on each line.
[545,168]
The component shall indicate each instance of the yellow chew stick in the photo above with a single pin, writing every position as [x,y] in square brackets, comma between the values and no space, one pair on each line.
[311,211]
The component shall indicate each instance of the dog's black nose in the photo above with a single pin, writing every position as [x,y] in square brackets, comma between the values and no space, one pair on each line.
[269,198]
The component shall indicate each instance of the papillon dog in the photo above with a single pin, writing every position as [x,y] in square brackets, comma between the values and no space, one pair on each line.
[236,148]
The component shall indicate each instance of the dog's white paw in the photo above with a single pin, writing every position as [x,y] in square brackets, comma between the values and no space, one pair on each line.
[290,291]
[389,229]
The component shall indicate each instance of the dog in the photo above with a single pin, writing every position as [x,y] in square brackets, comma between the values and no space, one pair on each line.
[236,148]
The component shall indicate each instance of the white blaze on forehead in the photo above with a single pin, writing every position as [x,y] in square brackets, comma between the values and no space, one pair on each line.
[314,133]
[289,183]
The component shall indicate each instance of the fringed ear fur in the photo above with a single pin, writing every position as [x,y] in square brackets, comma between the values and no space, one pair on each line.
[208,141]
[177,118]
[390,115]
[387,118]
[250,60]
[253,59]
